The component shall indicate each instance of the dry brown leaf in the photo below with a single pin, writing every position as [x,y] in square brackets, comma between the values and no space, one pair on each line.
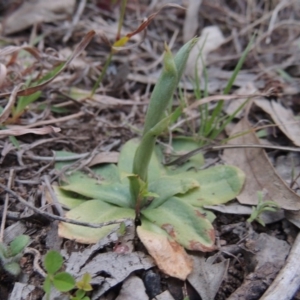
[18,130]
[191,19]
[104,158]
[283,117]
[34,12]
[169,256]
[211,39]
[260,174]
[9,50]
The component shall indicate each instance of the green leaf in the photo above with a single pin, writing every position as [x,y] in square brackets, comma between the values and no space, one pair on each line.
[115,193]
[68,199]
[18,244]
[53,261]
[185,224]
[79,293]
[23,101]
[63,282]
[108,173]
[162,93]
[93,211]
[181,146]
[145,150]
[3,251]
[13,268]
[127,155]
[218,185]
[47,285]
[168,186]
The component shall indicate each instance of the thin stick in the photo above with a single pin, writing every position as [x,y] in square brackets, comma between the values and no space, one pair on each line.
[11,173]
[188,155]
[58,218]
[53,196]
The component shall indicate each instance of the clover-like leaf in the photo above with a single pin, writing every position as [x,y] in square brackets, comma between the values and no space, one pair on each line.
[13,268]
[47,285]
[18,244]
[63,281]
[53,261]
[93,211]
[184,223]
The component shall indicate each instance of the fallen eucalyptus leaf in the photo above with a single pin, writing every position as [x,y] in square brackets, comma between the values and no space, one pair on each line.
[104,158]
[261,176]
[283,117]
[19,130]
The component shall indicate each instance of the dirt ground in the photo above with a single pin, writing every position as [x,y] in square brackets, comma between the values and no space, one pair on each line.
[36,37]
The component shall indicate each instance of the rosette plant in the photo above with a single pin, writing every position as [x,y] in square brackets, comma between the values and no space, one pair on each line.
[167,203]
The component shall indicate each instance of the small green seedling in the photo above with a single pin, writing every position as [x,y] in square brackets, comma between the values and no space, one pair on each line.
[62,281]
[11,255]
[261,207]
[83,286]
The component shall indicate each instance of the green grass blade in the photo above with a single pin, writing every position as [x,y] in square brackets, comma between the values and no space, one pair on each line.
[103,72]
[218,109]
[238,67]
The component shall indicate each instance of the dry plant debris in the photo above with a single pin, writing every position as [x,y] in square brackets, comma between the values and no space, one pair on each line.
[46,107]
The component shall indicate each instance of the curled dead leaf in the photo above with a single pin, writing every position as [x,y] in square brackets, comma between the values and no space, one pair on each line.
[283,117]
[169,256]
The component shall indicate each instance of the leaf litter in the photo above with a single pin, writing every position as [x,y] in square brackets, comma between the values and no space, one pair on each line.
[97,116]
